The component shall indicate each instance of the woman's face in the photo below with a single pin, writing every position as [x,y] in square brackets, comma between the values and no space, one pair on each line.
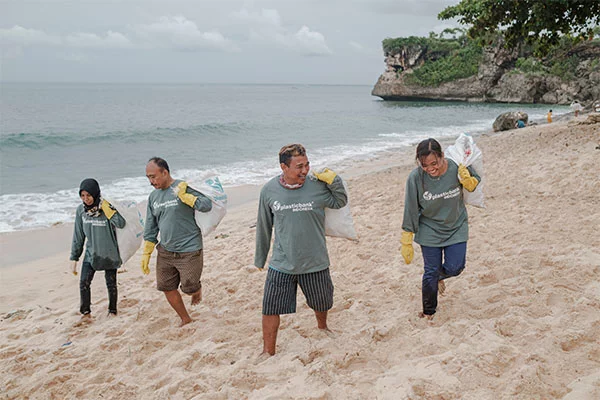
[86,198]
[433,165]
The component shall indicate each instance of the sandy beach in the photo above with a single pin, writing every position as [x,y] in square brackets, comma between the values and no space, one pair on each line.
[521,322]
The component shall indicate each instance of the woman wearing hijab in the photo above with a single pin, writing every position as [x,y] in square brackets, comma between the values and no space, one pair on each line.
[436,216]
[96,220]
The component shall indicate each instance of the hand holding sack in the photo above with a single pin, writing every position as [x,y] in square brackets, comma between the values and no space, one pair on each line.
[469,182]
[107,209]
[326,176]
[465,151]
[407,250]
[338,222]
[186,198]
[146,253]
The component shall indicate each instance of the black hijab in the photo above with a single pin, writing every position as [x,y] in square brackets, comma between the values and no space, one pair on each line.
[93,188]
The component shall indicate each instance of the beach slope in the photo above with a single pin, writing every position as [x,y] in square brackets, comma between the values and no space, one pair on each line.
[521,322]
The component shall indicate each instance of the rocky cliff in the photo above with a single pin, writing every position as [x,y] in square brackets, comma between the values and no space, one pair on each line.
[497,79]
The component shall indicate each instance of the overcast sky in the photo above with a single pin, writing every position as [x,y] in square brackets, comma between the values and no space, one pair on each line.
[207,41]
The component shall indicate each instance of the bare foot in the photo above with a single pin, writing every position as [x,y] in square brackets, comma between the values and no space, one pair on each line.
[262,357]
[185,322]
[428,317]
[441,288]
[329,332]
[197,297]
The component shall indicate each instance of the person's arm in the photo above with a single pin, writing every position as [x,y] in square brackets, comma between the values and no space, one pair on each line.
[264,231]
[410,223]
[202,203]
[474,173]
[112,214]
[339,197]
[193,198]
[151,226]
[150,239]
[467,178]
[78,238]
[118,221]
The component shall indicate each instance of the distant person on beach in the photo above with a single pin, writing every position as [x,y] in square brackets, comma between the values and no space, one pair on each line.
[549,116]
[170,210]
[576,107]
[293,206]
[436,217]
[95,221]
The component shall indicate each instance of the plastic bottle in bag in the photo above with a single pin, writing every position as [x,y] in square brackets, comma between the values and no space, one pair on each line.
[465,151]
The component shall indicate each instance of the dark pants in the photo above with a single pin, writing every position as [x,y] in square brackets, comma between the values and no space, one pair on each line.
[85,291]
[454,263]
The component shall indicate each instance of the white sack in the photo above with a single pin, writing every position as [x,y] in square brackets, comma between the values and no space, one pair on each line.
[130,237]
[339,223]
[465,151]
[211,188]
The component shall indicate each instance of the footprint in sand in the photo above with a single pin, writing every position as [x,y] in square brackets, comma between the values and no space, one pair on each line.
[128,302]
[158,325]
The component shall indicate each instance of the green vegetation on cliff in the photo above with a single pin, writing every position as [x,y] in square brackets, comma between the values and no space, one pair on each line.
[445,60]
[563,59]
[458,64]
[432,45]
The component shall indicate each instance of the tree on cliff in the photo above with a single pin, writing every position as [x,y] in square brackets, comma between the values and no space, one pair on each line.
[540,23]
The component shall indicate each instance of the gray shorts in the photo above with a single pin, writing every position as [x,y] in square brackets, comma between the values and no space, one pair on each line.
[173,269]
[280,291]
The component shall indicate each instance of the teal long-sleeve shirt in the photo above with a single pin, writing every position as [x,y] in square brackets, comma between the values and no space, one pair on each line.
[174,219]
[101,249]
[297,216]
[434,209]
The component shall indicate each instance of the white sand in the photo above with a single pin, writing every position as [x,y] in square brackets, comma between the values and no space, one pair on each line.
[521,322]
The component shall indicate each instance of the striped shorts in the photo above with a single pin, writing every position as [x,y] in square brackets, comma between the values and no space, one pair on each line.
[280,291]
[175,268]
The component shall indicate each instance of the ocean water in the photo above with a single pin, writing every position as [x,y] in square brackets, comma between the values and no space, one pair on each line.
[55,135]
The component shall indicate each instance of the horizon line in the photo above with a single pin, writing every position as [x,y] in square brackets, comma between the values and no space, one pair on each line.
[187,83]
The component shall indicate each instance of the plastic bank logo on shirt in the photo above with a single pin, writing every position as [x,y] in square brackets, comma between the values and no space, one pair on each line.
[169,203]
[446,195]
[295,207]
[94,222]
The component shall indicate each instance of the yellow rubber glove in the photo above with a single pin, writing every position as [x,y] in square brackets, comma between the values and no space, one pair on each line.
[74,267]
[326,176]
[407,250]
[107,209]
[469,182]
[146,253]
[186,198]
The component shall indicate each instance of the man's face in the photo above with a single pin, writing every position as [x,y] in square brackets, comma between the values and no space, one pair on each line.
[296,173]
[158,177]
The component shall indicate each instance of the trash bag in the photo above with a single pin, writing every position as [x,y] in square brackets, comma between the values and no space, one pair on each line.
[211,188]
[129,238]
[339,222]
[465,151]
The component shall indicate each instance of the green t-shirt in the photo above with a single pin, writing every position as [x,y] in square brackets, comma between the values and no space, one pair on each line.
[174,219]
[434,209]
[101,249]
[298,218]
